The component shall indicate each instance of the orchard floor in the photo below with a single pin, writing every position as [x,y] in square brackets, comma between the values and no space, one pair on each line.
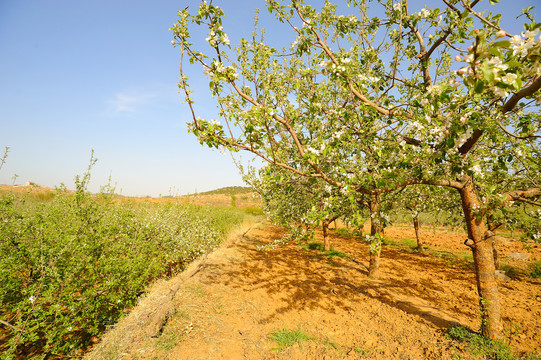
[239,295]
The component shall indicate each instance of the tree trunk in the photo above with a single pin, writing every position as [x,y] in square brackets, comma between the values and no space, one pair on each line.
[418,233]
[480,240]
[326,240]
[375,238]
[495,254]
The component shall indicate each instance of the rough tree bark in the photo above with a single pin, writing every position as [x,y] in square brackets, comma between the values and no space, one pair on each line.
[420,245]
[326,239]
[376,235]
[481,241]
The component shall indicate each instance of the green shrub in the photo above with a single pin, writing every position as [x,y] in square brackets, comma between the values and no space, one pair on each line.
[535,269]
[481,346]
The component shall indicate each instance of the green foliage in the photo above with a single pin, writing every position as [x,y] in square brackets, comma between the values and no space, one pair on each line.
[71,265]
[481,346]
[535,269]
[285,338]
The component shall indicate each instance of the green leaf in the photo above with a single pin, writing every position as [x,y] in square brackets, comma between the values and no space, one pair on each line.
[487,73]
[494,51]
[479,86]
[502,43]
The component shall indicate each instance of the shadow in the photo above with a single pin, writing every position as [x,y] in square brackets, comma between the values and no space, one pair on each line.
[301,278]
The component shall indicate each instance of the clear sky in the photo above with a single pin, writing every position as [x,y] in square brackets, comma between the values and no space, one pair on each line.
[102,74]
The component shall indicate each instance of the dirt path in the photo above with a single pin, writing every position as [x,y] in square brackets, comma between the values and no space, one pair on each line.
[227,306]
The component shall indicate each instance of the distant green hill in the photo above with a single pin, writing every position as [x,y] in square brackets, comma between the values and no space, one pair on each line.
[230,190]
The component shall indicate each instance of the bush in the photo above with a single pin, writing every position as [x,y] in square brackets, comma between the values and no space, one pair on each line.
[70,266]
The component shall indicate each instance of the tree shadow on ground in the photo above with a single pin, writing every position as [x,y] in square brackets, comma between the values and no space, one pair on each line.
[300,279]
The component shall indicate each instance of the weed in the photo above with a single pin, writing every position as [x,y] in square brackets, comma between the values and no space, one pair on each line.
[197,290]
[535,269]
[285,338]
[167,341]
[481,346]
[329,342]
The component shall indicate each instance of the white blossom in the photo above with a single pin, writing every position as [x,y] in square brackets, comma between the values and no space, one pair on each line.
[225,39]
[499,92]
[211,39]
[477,170]
[509,78]
[468,58]
[424,13]
[520,46]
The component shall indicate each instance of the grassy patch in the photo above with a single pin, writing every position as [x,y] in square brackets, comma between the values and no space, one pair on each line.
[348,233]
[167,341]
[463,258]
[534,269]
[510,271]
[481,346]
[403,243]
[318,246]
[285,338]
[253,210]
[312,246]
[335,253]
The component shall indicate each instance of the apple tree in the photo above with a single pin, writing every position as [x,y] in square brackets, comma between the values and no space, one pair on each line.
[373,96]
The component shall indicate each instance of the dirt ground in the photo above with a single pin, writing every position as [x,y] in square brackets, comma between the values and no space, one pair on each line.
[231,301]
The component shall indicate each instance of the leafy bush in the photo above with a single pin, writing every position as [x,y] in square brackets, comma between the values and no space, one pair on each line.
[71,265]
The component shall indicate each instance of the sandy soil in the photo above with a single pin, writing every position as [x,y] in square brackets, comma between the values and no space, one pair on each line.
[228,304]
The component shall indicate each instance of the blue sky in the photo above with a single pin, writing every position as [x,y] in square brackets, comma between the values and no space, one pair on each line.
[102,75]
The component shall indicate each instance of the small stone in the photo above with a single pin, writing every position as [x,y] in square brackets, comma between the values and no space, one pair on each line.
[500,275]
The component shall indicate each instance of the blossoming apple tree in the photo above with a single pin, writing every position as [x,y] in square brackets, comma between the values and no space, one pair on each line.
[376,96]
